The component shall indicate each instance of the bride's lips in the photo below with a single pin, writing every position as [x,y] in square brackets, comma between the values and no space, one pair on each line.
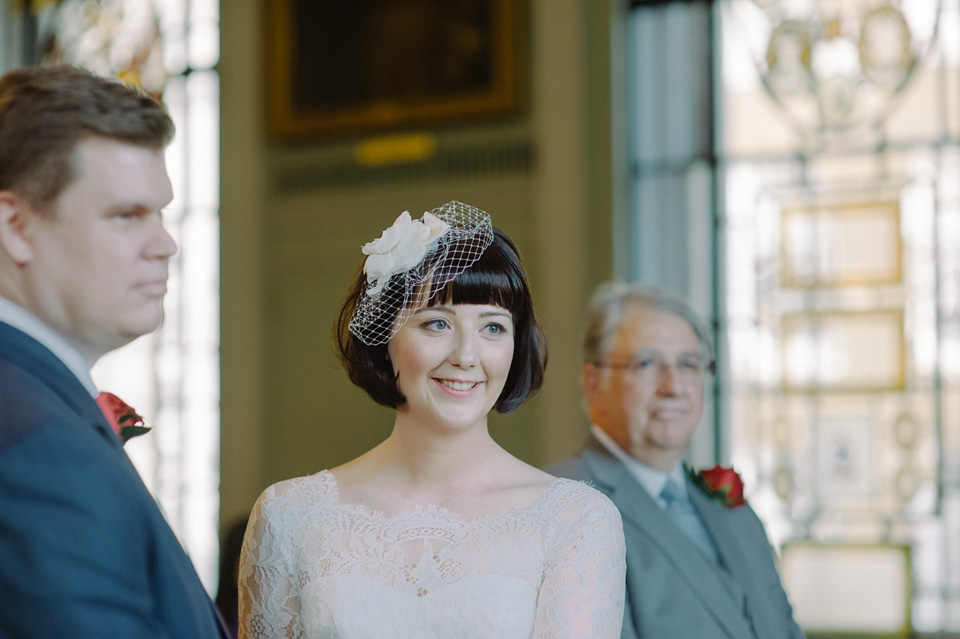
[457,387]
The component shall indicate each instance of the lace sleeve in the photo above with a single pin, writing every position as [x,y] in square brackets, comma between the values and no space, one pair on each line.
[583,587]
[269,607]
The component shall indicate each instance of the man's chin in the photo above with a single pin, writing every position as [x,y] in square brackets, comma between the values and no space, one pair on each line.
[137,329]
[673,436]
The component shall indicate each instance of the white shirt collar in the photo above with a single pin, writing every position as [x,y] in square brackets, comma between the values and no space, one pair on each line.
[23,320]
[651,479]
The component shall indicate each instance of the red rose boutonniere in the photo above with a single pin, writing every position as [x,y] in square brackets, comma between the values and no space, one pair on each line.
[722,485]
[124,421]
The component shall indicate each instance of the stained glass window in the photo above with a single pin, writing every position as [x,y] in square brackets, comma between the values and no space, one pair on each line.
[841,222]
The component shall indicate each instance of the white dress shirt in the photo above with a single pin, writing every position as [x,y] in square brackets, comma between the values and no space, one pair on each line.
[651,479]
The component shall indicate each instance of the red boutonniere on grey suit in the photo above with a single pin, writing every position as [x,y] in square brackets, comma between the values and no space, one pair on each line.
[721,485]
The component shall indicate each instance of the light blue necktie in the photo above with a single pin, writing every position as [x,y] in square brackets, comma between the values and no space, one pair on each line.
[682,513]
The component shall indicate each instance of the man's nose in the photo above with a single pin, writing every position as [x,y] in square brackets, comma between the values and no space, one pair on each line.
[668,380]
[163,245]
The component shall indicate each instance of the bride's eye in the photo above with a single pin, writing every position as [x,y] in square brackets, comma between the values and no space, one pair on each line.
[495,328]
[438,324]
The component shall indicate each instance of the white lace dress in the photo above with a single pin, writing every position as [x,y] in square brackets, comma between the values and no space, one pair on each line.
[313,567]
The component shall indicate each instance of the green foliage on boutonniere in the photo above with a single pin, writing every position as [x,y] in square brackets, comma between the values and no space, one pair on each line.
[722,485]
[124,421]
[128,432]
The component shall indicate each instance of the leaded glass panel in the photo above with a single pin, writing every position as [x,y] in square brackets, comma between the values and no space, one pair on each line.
[840,221]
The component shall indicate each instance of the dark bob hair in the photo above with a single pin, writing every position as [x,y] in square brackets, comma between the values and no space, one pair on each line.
[496,278]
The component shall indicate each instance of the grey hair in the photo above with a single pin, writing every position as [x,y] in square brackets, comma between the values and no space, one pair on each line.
[607,306]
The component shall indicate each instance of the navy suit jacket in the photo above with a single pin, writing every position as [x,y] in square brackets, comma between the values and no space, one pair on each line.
[84,549]
[673,590]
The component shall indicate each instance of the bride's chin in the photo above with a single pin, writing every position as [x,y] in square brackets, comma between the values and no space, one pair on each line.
[451,422]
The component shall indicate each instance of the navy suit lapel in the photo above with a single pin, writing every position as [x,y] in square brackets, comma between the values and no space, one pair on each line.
[642,514]
[34,358]
[31,356]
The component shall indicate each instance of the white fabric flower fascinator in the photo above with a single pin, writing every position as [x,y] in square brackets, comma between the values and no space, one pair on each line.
[438,247]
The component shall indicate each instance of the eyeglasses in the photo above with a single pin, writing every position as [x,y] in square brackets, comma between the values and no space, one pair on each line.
[650,365]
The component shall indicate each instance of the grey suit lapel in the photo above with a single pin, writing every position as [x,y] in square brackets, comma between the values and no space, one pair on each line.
[734,557]
[642,514]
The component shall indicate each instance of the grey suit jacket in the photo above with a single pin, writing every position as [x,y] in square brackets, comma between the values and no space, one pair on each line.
[673,591]
[84,551]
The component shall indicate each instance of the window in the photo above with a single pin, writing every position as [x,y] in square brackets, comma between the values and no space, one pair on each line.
[803,194]
[842,143]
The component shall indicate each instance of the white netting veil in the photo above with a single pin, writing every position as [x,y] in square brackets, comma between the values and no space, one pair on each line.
[411,261]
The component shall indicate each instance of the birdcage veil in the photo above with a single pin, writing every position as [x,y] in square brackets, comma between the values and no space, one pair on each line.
[411,261]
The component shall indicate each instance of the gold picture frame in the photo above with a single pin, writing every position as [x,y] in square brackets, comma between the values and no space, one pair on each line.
[849,589]
[850,244]
[840,351]
[338,68]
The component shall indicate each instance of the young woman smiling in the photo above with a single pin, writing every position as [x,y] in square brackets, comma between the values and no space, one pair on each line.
[437,531]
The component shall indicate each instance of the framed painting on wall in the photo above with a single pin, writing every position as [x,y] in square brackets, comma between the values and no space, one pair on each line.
[369,66]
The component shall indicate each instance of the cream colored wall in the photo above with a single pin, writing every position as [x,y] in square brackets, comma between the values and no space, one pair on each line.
[11,35]
[291,236]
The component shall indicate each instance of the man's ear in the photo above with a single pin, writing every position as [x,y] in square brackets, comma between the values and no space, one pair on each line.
[588,378]
[13,228]
[590,381]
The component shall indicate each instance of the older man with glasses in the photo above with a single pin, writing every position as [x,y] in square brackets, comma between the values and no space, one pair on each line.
[699,564]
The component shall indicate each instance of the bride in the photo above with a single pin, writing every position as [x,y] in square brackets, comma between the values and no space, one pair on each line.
[437,531]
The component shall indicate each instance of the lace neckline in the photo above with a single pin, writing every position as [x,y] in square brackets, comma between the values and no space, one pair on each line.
[333,493]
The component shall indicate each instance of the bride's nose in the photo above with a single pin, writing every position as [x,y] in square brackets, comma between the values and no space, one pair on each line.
[464,352]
